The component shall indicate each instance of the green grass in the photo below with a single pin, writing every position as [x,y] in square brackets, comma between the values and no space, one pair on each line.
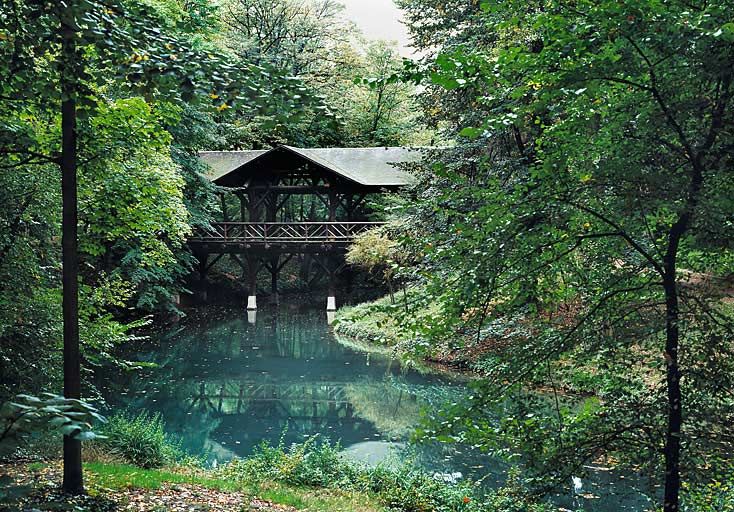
[378,322]
[366,322]
[318,500]
[121,476]
[101,477]
[283,496]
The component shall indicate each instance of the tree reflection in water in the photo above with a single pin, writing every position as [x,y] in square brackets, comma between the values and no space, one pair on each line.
[224,384]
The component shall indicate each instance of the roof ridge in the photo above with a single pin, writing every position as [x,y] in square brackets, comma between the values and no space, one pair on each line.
[370,166]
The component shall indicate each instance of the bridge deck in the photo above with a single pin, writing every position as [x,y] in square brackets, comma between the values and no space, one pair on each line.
[283,233]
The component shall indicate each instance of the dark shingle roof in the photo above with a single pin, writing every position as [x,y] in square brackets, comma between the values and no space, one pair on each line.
[372,167]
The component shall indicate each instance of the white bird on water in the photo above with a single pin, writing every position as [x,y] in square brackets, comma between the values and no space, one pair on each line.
[449,478]
[578,485]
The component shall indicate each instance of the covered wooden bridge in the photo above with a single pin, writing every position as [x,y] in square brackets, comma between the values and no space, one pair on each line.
[286,201]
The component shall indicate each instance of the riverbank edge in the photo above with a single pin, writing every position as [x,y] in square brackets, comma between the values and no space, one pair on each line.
[359,332]
[423,366]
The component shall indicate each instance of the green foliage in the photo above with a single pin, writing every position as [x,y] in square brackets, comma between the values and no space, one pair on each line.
[134,218]
[376,110]
[320,464]
[313,40]
[587,196]
[313,463]
[142,440]
[715,495]
[382,322]
[373,249]
[28,415]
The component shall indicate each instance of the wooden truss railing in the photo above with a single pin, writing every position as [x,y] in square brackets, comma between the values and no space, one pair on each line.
[283,232]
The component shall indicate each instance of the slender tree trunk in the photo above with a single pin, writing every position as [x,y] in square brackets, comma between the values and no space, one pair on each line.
[671,498]
[672,342]
[73,482]
[378,115]
[675,413]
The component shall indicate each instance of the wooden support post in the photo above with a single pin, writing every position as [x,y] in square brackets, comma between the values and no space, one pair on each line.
[271,205]
[331,298]
[253,210]
[333,203]
[350,207]
[225,214]
[243,206]
[252,267]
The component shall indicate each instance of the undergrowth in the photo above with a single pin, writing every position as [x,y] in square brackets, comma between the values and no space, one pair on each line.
[320,464]
[142,441]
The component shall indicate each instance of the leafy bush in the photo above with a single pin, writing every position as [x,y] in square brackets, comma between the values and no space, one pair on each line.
[716,495]
[320,464]
[310,464]
[27,415]
[42,418]
[142,440]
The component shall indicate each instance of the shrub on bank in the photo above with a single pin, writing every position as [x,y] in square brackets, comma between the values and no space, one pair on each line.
[320,464]
[141,440]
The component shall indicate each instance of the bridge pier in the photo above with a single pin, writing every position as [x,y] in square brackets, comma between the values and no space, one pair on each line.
[331,303]
[252,265]
[331,298]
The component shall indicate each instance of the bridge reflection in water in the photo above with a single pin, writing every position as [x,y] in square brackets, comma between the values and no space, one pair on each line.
[227,385]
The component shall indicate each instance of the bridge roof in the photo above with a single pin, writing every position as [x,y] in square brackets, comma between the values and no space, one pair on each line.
[369,167]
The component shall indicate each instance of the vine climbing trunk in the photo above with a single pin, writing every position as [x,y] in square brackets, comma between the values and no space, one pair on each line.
[73,481]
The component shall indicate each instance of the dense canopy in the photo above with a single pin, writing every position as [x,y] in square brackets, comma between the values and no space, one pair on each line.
[527,230]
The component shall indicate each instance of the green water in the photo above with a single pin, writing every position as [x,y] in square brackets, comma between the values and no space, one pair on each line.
[224,383]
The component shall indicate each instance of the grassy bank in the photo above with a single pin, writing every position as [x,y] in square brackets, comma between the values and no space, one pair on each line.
[125,487]
[312,476]
[376,327]
[371,323]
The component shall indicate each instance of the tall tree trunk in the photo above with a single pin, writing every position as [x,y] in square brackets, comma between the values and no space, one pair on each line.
[672,342]
[675,413]
[73,482]
[378,115]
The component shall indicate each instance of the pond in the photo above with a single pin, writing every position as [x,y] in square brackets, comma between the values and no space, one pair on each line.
[225,382]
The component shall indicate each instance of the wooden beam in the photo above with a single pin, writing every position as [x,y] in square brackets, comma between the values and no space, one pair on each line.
[214,261]
[225,216]
[239,262]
